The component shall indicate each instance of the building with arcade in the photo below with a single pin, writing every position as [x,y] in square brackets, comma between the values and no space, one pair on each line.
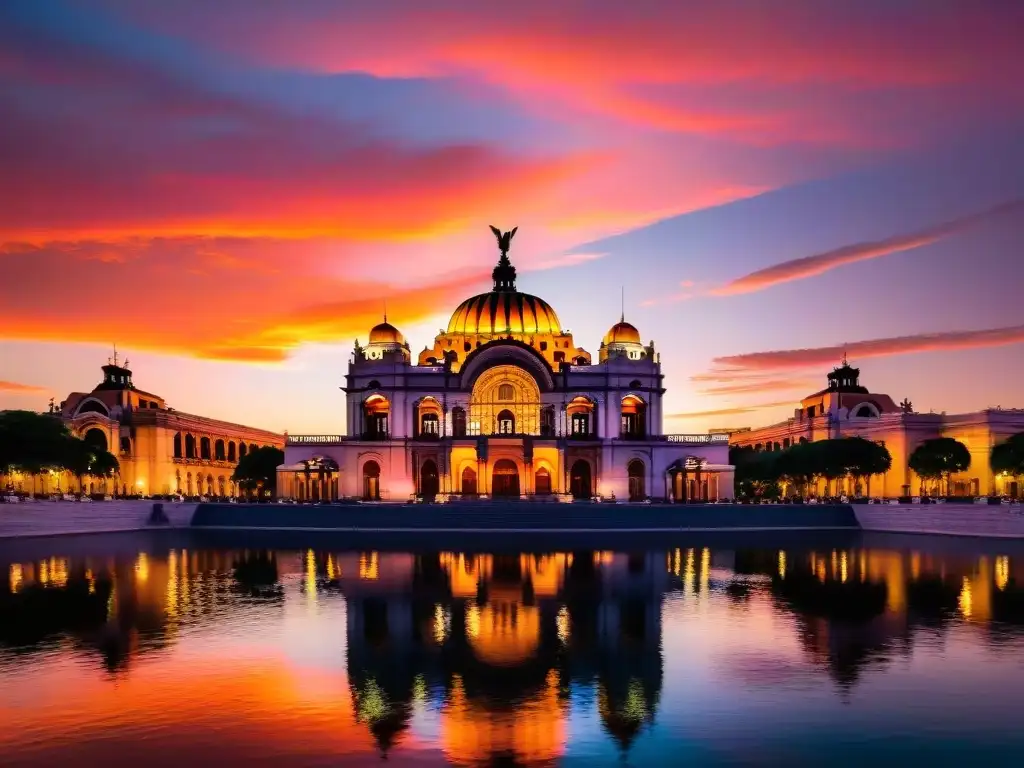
[505,403]
[159,449]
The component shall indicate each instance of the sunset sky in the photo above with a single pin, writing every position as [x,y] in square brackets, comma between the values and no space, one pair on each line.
[231,190]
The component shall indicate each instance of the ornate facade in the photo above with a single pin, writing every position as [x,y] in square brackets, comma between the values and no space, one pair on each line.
[504,403]
[160,450]
[845,408]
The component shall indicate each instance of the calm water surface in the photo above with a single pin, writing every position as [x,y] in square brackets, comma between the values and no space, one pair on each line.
[190,657]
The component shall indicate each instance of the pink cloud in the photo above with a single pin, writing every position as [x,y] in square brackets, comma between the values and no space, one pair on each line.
[809,266]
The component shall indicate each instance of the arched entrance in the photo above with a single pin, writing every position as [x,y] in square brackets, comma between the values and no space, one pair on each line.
[95,439]
[542,482]
[579,480]
[429,484]
[468,482]
[637,489]
[371,481]
[505,478]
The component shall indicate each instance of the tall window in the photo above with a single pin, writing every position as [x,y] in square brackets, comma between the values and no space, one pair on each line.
[580,424]
[506,423]
[505,392]
[459,422]
[547,420]
[429,424]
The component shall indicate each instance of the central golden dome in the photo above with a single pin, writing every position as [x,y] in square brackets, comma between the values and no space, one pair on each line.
[501,312]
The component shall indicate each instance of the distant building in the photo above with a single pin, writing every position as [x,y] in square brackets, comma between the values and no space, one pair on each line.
[845,409]
[160,450]
[504,403]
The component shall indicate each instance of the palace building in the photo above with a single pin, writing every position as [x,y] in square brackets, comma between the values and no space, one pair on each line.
[505,403]
[159,450]
[845,408]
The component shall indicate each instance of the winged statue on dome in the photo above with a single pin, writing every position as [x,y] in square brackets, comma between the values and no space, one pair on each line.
[504,238]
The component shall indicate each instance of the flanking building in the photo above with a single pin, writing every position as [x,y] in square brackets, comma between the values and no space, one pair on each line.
[845,408]
[505,403]
[160,450]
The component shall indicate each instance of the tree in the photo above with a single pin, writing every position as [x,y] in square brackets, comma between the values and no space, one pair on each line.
[797,464]
[866,458]
[756,473]
[940,457]
[1007,457]
[257,470]
[32,442]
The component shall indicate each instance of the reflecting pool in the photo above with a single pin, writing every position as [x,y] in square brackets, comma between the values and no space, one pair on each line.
[190,657]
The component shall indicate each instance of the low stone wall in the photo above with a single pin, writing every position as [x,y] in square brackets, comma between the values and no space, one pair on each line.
[498,517]
[53,518]
[1005,521]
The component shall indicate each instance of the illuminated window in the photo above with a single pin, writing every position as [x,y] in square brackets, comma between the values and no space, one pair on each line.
[506,423]
[505,392]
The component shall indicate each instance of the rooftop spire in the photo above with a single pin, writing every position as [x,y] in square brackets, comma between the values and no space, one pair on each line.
[622,317]
[385,309]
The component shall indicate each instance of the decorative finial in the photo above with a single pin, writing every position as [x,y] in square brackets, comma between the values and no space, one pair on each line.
[622,317]
[126,362]
[115,354]
[845,362]
[385,309]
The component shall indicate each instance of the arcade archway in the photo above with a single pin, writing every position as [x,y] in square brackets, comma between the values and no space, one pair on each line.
[429,482]
[371,481]
[505,479]
[580,485]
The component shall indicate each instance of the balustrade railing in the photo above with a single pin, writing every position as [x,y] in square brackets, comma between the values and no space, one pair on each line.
[694,439]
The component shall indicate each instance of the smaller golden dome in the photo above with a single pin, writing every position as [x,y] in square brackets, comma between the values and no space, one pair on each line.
[622,333]
[386,333]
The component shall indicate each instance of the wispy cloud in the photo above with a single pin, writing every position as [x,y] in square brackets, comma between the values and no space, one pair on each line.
[736,411]
[688,292]
[21,389]
[809,266]
[897,345]
[566,260]
[759,384]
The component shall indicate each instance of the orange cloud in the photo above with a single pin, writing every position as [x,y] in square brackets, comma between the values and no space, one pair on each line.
[21,389]
[898,345]
[809,266]
[737,411]
[185,302]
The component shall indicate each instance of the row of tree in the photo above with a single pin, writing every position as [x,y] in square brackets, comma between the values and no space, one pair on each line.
[760,474]
[34,443]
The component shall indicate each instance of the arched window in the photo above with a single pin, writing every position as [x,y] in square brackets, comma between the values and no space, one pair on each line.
[429,425]
[468,482]
[633,417]
[94,406]
[177,445]
[542,483]
[803,439]
[506,423]
[376,410]
[581,417]
[243,449]
[209,485]
[126,446]
[190,446]
[637,489]
[95,438]
[865,412]
[252,447]
[204,448]
[506,392]
[219,452]
[459,422]
[371,481]
[231,451]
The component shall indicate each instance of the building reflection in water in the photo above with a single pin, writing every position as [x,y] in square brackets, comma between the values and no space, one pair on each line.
[494,644]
